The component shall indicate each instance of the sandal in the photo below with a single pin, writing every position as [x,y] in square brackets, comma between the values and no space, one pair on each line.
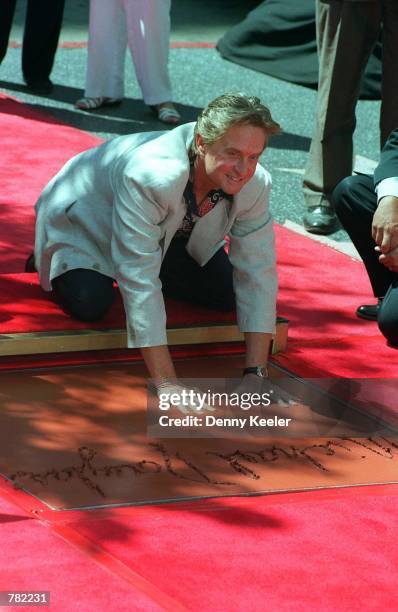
[89,104]
[167,114]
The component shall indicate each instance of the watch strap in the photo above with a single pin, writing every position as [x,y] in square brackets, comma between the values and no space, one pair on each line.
[260,371]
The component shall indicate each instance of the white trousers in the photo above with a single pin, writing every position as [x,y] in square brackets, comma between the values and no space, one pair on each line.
[145,26]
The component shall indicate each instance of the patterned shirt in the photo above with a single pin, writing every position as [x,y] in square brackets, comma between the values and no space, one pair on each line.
[195,210]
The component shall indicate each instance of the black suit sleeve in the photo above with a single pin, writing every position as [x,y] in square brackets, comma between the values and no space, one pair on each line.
[388,165]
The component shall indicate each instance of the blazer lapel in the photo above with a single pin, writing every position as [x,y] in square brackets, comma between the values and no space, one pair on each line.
[171,225]
[208,233]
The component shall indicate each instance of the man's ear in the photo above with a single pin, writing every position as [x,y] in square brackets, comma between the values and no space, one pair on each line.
[200,145]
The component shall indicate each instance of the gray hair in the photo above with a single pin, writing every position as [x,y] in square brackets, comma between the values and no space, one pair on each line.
[233,108]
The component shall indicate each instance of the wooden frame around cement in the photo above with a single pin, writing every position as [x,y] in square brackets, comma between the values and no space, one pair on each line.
[102,339]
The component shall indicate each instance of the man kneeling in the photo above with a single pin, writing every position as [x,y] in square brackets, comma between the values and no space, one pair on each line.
[151,211]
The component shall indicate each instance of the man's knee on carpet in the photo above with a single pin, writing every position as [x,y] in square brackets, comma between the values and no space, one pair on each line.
[85,307]
[85,294]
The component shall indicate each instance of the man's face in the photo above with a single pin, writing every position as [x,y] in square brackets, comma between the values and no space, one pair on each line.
[230,162]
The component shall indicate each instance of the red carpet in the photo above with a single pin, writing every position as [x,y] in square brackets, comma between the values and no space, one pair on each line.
[273,553]
[35,558]
[325,337]
[264,554]
[27,308]
[320,290]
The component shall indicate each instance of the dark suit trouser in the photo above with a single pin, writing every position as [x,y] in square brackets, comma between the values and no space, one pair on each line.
[346,34]
[87,295]
[355,203]
[42,28]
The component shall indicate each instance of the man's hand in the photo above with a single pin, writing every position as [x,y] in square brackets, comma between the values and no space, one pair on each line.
[252,386]
[385,225]
[389,260]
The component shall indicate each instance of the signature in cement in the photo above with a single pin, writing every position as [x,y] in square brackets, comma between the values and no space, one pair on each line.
[242,462]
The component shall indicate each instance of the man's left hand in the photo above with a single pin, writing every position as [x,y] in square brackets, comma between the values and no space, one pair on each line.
[385,224]
[390,260]
[252,385]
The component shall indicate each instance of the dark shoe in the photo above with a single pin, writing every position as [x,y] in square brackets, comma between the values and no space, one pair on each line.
[30,264]
[369,311]
[41,87]
[320,220]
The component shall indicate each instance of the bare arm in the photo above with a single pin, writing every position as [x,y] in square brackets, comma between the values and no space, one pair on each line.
[161,370]
[158,361]
[257,348]
[160,366]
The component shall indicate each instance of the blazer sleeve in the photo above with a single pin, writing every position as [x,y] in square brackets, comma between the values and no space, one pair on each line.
[388,165]
[136,252]
[252,254]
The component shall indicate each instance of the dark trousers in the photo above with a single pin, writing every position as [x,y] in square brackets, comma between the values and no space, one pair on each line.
[87,295]
[42,28]
[355,204]
[346,34]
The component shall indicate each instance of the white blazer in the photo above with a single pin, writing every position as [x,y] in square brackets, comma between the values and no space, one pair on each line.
[115,209]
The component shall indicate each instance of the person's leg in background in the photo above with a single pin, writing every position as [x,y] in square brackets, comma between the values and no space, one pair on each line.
[7,9]
[148,27]
[184,279]
[346,34]
[388,313]
[42,29]
[86,295]
[355,203]
[107,44]
[389,90]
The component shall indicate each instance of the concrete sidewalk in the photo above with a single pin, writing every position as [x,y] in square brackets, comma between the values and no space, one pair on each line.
[192,20]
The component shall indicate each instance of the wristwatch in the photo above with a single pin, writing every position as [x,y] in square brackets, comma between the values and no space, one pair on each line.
[259,371]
